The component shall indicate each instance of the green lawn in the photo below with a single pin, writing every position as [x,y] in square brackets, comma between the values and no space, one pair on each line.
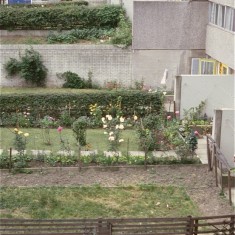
[95,137]
[38,90]
[95,202]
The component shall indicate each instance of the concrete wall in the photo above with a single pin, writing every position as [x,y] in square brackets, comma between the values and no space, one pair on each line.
[217,91]
[106,62]
[220,45]
[224,133]
[169,25]
[151,64]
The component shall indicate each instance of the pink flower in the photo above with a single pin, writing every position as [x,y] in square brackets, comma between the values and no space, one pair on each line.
[196,133]
[177,112]
[168,117]
[60,128]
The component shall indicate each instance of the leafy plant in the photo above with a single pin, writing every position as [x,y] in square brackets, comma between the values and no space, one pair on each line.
[79,128]
[123,34]
[30,67]
[12,67]
[72,80]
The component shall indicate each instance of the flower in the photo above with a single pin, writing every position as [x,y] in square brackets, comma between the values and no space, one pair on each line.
[121,140]
[103,119]
[105,132]
[122,119]
[60,128]
[168,117]
[196,133]
[110,118]
[116,127]
[16,130]
[26,134]
[20,132]
[104,126]
[111,138]
[177,112]
[121,127]
[135,117]
[111,133]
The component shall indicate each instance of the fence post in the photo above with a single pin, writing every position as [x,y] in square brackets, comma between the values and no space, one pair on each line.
[229,187]
[216,170]
[99,226]
[208,153]
[190,225]
[196,227]
[232,225]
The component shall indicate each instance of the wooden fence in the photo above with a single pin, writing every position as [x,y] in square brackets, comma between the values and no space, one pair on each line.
[138,226]
[219,164]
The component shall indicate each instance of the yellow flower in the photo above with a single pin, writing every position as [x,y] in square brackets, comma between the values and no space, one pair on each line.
[20,132]
[26,134]
[16,130]
[135,117]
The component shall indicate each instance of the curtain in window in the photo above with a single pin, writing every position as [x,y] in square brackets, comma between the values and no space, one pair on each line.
[229,19]
[220,16]
[212,14]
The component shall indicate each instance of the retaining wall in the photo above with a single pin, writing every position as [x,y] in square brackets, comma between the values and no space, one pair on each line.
[106,62]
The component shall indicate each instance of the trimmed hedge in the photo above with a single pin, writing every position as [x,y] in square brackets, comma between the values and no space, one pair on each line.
[60,17]
[40,105]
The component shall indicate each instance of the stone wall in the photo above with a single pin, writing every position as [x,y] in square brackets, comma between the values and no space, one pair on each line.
[106,62]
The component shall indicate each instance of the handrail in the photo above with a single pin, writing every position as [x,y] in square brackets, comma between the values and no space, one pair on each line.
[220,156]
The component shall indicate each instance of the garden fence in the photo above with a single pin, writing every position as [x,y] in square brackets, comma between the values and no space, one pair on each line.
[219,164]
[139,226]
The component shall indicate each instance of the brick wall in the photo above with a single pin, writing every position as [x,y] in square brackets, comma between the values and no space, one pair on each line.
[106,62]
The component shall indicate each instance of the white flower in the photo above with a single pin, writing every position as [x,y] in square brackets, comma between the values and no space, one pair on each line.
[122,119]
[121,127]
[135,117]
[111,138]
[116,127]
[105,132]
[110,118]
[104,126]
[103,119]
[111,133]
[26,134]
[20,132]
[121,140]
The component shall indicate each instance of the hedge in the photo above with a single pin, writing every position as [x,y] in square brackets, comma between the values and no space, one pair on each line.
[60,17]
[40,105]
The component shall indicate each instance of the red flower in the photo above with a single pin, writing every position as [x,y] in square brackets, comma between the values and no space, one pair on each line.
[60,128]
[168,117]
[196,133]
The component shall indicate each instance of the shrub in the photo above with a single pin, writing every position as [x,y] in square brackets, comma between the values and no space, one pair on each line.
[30,67]
[79,128]
[138,102]
[60,17]
[72,80]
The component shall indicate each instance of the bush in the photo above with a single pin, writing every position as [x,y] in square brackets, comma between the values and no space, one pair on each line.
[138,102]
[72,80]
[30,67]
[60,17]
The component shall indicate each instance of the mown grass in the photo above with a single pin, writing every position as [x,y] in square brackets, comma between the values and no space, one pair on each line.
[95,202]
[38,90]
[96,139]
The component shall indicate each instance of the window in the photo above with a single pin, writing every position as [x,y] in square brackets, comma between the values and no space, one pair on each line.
[223,16]
[203,66]
[223,69]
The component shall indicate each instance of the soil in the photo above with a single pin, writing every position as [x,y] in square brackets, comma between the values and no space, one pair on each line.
[197,181]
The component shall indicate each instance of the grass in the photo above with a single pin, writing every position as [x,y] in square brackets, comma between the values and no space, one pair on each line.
[95,137]
[38,90]
[95,202]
